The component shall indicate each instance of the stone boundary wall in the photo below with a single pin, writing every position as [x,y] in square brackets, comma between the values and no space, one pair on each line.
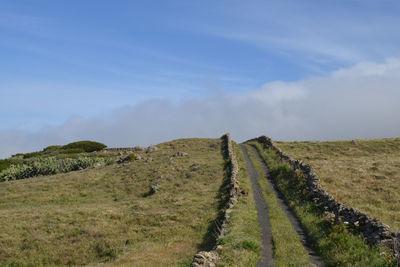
[373,230]
[210,258]
[119,149]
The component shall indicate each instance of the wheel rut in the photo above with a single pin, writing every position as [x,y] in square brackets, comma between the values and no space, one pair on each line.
[314,258]
[263,220]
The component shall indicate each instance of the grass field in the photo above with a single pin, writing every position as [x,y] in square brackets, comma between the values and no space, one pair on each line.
[106,215]
[364,174]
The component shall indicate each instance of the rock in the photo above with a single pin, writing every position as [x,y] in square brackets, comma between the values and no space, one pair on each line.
[149,159]
[154,188]
[138,148]
[244,192]
[205,259]
[180,154]
[329,216]
[98,164]
[151,149]
[194,167]
[214,146]
[124,159]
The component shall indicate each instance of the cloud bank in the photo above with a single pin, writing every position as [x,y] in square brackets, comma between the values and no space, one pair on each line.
[357,102]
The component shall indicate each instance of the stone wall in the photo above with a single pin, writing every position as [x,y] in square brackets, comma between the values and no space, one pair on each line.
[119,149]
[373,230]
[210,258]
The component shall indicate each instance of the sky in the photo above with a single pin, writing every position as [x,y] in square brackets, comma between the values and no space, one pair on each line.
[142,72]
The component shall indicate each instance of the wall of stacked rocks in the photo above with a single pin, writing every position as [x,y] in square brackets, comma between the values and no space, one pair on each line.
[210,258]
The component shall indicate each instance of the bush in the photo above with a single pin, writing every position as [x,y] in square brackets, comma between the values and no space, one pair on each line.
[51,148]
[87,146]
[5,163]
[50,165]
[72,150]
[32,154]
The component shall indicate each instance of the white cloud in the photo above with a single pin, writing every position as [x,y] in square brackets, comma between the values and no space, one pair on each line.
[357,102]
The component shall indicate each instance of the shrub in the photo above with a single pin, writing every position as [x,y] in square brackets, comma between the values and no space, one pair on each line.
[51,148]
[32,154]
[87,146]
[72,150]
[50,165]
[5,163]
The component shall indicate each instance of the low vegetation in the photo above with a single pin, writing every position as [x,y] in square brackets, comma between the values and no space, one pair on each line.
[85,146]
[50,165]
[338,245]
[241,245]
[54,159]
[6,163]
[105,215]
[364,174]
[285,239]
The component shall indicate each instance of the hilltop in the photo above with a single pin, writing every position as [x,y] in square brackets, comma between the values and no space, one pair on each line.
[85,204]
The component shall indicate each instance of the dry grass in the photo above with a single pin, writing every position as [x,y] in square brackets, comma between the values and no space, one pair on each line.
[364,174]
[103,214]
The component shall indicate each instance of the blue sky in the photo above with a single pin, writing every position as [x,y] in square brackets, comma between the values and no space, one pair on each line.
[63,60]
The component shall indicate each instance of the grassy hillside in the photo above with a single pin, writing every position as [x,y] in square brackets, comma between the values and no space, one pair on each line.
[363,173]
[106,214]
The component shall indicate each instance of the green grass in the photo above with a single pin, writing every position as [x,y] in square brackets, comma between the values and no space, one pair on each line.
[102,215]
[364,174]
[288,250]
[242,243]
[338,245]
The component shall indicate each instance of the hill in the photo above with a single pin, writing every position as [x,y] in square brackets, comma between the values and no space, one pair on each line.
[106,213]
[198,202]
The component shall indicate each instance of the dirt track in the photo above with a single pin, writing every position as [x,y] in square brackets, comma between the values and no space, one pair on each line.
[267,250]
[266,237]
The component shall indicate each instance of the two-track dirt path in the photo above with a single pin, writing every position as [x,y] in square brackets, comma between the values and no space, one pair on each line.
[267,249]
[263,220]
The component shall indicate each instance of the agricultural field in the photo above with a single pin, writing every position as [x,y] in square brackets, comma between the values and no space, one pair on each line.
[109,214]
[364,174]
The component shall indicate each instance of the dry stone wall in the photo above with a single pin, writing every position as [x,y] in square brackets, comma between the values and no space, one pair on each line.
[210,258]
[373,230]
[117,149]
